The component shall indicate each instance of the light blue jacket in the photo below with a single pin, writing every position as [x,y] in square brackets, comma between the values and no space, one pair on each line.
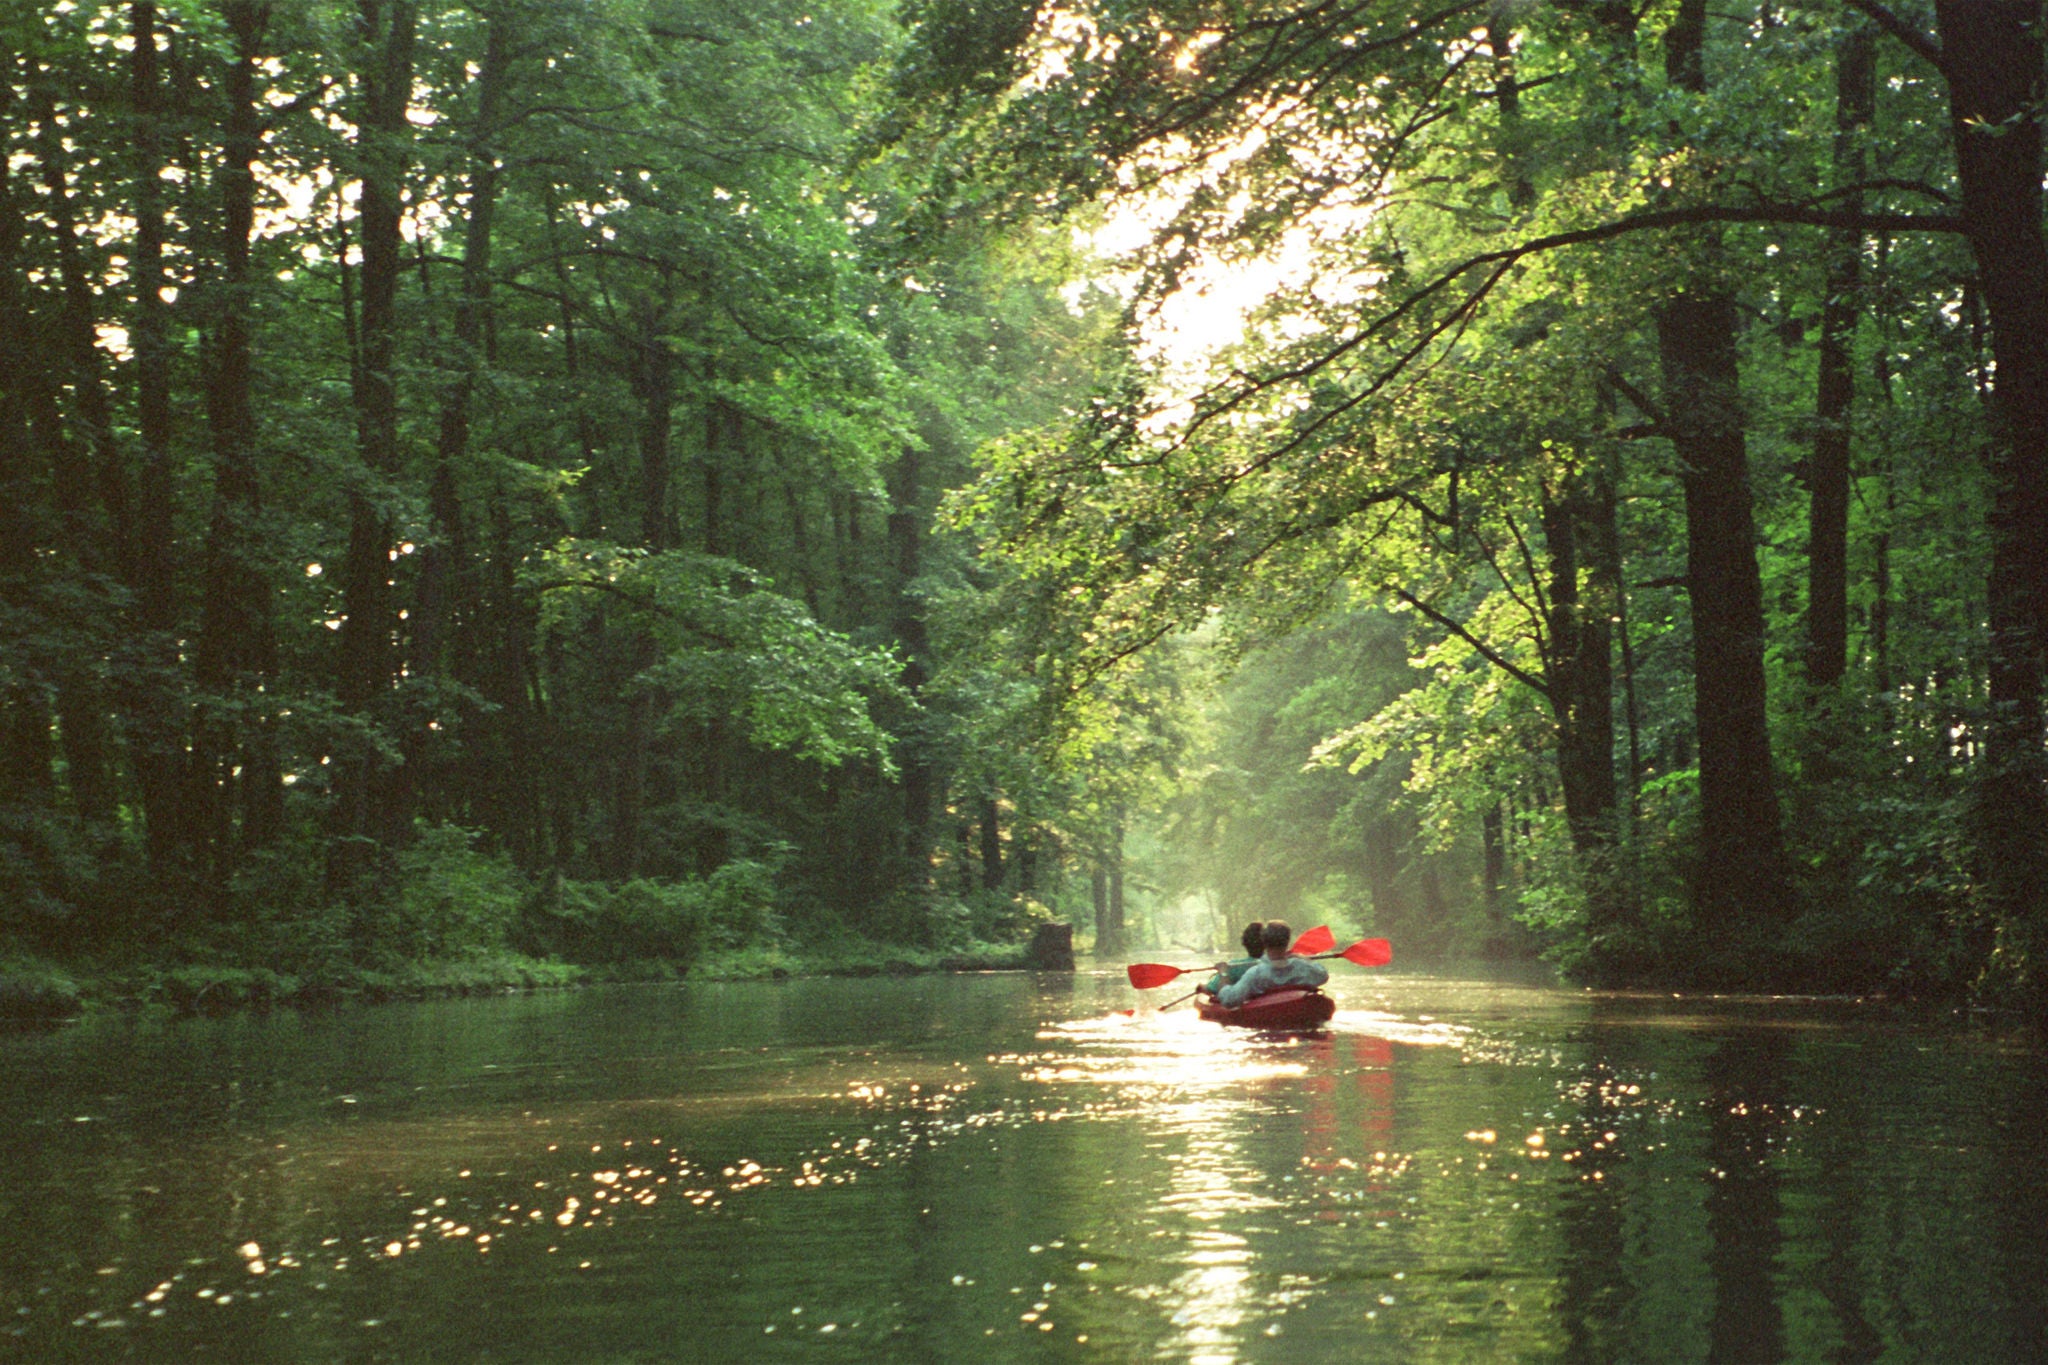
[1232,971]
[1268,975]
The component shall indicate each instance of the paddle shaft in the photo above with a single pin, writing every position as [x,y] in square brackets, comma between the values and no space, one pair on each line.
[1367,952]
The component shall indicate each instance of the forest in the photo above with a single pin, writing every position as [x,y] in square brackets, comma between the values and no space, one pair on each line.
[500,484]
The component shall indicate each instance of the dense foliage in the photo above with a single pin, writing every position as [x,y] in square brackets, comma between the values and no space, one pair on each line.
[1677,378]
[467,473]
[617,478]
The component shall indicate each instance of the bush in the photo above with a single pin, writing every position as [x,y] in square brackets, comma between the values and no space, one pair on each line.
[36,991]
[282,913]
[646,919]
[452,901]
[214,990]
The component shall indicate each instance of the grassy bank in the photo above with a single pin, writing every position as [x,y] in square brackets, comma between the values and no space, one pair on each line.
[37,990]
[857,957]
[33,989]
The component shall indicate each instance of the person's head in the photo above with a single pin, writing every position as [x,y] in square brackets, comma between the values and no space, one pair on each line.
[1277,936]
[1253,938]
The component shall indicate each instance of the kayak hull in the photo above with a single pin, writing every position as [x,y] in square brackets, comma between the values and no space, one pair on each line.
[1288,1008]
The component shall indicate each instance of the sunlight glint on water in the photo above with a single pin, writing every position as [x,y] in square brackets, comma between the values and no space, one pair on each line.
[1007,1167]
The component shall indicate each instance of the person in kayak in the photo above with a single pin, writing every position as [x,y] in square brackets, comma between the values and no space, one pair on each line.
[1254,940]
[1276,969]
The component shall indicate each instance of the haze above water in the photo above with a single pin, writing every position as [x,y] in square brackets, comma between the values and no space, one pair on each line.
[1004,1167]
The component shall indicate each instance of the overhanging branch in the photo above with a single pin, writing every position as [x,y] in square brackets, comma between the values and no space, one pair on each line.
[1492,655]
[1920,42]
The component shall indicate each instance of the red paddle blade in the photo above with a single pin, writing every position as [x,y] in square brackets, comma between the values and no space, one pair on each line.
[1313,941]
[1146,975]
[1370,952]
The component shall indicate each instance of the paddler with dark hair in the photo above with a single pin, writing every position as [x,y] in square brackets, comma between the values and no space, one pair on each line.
[1254,940]
[1276,969]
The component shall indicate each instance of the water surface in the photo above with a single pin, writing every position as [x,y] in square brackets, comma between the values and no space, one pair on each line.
[1005,1167]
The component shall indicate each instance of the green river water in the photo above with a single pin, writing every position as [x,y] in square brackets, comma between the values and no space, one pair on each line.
[1004,1167]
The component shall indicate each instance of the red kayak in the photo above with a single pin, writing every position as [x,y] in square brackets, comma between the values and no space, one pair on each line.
[1290,1007]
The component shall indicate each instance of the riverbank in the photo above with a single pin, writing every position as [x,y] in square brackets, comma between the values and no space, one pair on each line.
[34,990]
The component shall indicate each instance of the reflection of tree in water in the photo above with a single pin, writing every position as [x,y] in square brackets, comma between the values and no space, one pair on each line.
[2021,1216]
[1595,1287]
[1746,1116]
[1837,1152]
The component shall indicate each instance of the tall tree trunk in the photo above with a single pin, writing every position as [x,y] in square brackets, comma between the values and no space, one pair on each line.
[1741,852]
[654,383]
[1581,605]
[800,541]
[80,452]
[1827,472]
[443,560]
[991,846]
[1098,895]
[1881,542]
[1493,869]
[906,539]
[1507,95]
[1580,672]
[25,770]
[1115,908]
[722,437]
[1992,56]
[1383,840]
[446,591]
[234,750]
[368,664]
[155,709]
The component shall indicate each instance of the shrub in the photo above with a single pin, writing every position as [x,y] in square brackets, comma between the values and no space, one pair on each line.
[645,918]
[282,912]
[451,900]
[31,990]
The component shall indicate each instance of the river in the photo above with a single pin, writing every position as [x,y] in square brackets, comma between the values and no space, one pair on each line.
[1006,1167]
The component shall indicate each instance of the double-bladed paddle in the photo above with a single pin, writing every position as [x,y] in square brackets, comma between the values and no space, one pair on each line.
[1367,952]
[1313,941]
[1316,940]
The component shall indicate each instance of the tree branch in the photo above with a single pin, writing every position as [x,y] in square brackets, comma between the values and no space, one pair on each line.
[1920,42]
[1492,656]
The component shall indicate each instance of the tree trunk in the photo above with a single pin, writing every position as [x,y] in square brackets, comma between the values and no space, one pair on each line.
[1494,862]
[1580,668]
[1098,892]
[1827,472]
[25,770]
[1579,530]
[1741,857]
[1117,923]
[722,438]
[654,385]
[368,664]
[1382,850]
[443,560]
[906,540]
[234,753]
[156,717]
[1992,56]
[991,847]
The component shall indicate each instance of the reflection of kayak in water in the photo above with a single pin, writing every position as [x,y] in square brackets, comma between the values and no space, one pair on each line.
[1286,1008]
